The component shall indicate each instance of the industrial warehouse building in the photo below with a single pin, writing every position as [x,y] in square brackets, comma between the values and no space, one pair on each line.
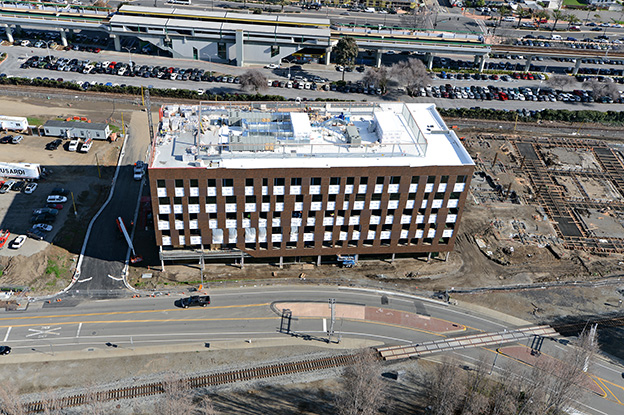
[279,180]
[76,129]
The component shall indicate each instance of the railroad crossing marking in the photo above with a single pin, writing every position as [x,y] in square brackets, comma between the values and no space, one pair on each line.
[44,331]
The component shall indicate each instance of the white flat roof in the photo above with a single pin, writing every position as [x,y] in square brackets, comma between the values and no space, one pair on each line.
[425,139]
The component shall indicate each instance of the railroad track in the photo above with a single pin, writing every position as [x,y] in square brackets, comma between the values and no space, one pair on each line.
[216,379]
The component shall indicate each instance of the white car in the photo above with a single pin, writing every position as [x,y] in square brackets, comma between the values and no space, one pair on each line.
[85,147]
[56,199]
[42,226]
[73,145]
[272,66]
[30,187]
[139,170]
[18,242]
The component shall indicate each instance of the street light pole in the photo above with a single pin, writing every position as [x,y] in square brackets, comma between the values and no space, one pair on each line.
[129,55]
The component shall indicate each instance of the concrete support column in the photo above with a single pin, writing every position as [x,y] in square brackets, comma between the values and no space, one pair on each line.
[429,257]
[9,33]
[240,48]
[446,256]
[318,261]
[577,66]
[392,259]
[242,262]
[281,263]
[162,261]
[429,57]
[482,63]
[328,55]
[117,42]
[527,66]
[357,256]
[63,37]
[378,60]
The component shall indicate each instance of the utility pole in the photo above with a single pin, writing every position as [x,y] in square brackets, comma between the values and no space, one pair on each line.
[148,108]
[332,307]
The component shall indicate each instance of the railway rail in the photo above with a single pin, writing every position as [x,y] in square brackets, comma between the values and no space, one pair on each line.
[156,388]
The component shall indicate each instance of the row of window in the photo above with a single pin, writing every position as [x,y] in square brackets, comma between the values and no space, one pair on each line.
[253,236]
[406,220]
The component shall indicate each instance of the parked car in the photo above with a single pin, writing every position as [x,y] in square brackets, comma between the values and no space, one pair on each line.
[59,191]
[47,210]
[56,199]
[56,206]
[4,350]
[73,145]
[36,235]
[30,187]
[18,186]
[42,218]
[17,139]
[53,145]
[195,300]
[6,139]
[18,242]
[43,227]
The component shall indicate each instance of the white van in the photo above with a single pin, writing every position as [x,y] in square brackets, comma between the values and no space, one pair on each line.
[555,37]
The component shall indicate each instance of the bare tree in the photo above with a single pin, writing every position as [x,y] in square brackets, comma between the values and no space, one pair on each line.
[177,397]
[10,402]
[377,77]
[253,80]
[560,81]
[445,388]
[601,90]
[411,73]
[364,391]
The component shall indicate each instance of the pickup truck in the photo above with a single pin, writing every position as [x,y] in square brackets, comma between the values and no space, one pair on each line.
[73,145]
[195,301]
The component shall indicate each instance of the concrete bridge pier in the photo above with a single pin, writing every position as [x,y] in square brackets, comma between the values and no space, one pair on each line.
[527,66]
[429,58]
[479,62]
[378,60]
[328,55]
[9,33]
[240,48]
[63,37]
[577,66]
[117,42]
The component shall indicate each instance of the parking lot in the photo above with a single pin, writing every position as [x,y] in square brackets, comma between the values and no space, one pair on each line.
[76,172]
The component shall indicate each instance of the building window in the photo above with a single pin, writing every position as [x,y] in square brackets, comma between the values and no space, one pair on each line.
[315,181]
[380,180]
[179,183]
[444,179]
[228,182]
[278,181]
[395,180]
[177,200]
[211,200]
[222,50]
[193,200]
[194,182]
[363,180]
[212,183]
[334,181]
[461,179]
[265,182]
[295,181]
[317,198]
[160,183]
[249,182]
[415,179]
[230,199]
[250,199]
[350,180]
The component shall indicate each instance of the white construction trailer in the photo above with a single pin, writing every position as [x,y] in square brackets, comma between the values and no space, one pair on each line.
[20,170]
[13,123]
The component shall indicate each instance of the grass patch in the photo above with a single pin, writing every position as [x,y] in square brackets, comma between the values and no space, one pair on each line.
[56,268]
[114,128]
[35,121]
[579,3]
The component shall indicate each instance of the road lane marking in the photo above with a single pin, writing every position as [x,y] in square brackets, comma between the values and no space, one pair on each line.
[112,313]
[79,327]
[6,337]
[603,383]
[324,325]
[44,331]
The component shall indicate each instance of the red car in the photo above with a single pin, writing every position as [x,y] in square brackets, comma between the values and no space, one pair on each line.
[56,206]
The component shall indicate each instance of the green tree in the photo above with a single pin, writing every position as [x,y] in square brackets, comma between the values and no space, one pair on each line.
[503,11]
[558,15]
[522,14]
[540,15]
[572,20]
[346,50]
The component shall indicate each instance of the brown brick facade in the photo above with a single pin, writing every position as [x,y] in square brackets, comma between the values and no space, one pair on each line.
[395,190]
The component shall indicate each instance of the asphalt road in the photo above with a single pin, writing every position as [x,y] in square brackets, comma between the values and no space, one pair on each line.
[102,269]
[245,314]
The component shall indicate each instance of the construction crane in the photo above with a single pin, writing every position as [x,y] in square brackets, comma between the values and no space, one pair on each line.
[122,228]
